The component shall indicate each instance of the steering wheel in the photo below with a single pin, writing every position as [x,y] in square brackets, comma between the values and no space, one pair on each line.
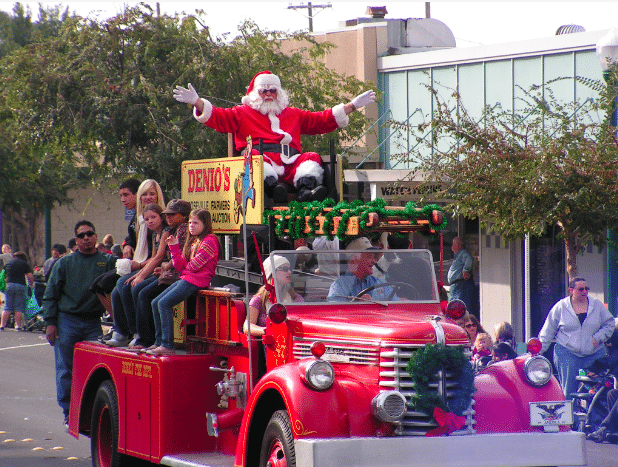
[397,286]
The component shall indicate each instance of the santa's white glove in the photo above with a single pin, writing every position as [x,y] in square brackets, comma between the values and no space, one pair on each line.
[188,96]
[366,98]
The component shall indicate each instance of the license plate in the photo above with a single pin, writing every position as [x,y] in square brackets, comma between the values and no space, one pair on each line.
[551,413]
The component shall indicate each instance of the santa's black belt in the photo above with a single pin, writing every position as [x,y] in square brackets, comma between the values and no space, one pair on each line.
[280,148]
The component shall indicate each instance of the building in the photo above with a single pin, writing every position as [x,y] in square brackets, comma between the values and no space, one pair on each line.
[412,53]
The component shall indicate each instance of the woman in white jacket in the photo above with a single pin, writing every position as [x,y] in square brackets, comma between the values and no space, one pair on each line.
[579,325]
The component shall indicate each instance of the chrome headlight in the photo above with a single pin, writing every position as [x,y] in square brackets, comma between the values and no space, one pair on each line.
[389,406]
[320,375]
[537,370]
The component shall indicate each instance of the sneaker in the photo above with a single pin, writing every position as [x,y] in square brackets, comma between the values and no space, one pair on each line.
[598,436]
[161,351]
[118,340]
[66,423]
[106,337]
[19,329]
[1,328]
[133,343]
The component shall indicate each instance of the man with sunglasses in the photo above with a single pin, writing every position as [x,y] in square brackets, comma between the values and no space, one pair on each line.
[265,116]
[71,310]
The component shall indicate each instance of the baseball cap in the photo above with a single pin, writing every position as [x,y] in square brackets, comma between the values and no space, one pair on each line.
[361,243]
[177,206]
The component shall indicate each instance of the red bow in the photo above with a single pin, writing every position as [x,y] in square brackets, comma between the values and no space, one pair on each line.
[448,421]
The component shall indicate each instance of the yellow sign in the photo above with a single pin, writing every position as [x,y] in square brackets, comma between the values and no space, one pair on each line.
[220,185]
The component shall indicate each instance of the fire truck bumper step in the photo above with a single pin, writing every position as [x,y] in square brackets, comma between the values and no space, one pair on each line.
[480,450]
[198,459]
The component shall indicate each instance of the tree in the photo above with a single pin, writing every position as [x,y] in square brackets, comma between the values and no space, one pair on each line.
[85,99]
[520,172]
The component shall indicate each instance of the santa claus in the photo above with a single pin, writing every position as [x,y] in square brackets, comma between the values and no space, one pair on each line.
[264,114]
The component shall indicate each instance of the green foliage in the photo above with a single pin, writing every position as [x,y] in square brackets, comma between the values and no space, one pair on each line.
[550,163]
[84,99]
[424,366]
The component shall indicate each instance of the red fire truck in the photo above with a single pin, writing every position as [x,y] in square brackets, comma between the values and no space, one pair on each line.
[338,386]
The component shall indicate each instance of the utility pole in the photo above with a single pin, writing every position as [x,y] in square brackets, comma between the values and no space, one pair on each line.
[309,7]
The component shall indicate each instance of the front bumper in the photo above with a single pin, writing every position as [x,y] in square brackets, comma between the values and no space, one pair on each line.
[486,450]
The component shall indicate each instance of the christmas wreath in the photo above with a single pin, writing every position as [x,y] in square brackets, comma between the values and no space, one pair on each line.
[424,366]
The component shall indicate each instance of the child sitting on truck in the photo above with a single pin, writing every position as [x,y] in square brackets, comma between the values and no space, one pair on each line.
[196,263]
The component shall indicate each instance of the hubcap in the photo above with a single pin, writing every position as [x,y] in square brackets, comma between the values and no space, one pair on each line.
[276,457]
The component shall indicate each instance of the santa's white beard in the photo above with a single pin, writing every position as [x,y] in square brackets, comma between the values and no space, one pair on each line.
[275,107]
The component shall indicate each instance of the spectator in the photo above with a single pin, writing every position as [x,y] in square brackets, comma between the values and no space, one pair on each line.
[108,241]
[328,264]
[117,250]
[503,332]
[460,277]
[360,275]
[473,328]
[7,254]
[71,310]
[58,251]
[103,249]
[196,263]
[72,245]
[579,325]
[502,351]
[482,351]
[17,271]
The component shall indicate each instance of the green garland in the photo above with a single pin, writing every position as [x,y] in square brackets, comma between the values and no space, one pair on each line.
[423,368]
[293,220]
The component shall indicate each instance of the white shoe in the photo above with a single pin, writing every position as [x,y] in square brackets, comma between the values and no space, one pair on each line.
[118,340]
[134,341]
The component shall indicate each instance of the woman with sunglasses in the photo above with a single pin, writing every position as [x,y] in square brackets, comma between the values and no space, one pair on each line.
[579,325]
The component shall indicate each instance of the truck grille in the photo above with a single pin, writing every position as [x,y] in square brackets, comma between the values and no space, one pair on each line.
[339,352]
[394,376]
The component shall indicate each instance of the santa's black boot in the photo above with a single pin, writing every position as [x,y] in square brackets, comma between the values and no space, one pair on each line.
[275,191]
[309,190]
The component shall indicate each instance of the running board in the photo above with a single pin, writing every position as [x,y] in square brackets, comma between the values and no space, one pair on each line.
[205,459]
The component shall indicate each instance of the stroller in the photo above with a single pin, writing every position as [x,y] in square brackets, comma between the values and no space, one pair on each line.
[590,400]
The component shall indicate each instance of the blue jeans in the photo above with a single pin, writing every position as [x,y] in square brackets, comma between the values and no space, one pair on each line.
[568,366]
[143,295]
[71,330]
[122,305]
[162,310]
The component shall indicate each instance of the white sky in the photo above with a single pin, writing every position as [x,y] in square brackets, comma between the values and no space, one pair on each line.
[472,23]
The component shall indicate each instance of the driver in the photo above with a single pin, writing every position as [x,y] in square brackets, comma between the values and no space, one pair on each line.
[359,276]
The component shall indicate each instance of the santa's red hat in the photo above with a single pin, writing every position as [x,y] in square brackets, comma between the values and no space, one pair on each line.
[263,78]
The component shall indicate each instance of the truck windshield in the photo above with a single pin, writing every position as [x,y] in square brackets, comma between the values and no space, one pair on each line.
[355,276]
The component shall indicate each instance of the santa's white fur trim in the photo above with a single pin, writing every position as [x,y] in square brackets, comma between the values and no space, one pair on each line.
[340,117]
[206,114]
[266,79]
[277,170]
[276,128]
[309,169]
[269,171]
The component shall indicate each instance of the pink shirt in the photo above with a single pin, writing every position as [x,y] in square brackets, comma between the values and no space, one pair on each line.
[201,269]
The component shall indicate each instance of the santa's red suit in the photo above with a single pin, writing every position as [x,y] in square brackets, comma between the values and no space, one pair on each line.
[285,128]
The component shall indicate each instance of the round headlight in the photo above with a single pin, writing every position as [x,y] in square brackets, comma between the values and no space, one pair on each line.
[537,370]
[389,406]
[320,375]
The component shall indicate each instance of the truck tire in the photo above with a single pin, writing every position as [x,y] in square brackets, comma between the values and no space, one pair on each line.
[278,442]
[104,429]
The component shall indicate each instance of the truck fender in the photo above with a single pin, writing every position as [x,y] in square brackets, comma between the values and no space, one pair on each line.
[503,395]
[323,414]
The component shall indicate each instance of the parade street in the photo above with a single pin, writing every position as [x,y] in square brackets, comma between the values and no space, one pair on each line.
[31,429]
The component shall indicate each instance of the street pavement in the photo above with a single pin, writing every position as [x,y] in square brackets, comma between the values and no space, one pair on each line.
[31,429]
